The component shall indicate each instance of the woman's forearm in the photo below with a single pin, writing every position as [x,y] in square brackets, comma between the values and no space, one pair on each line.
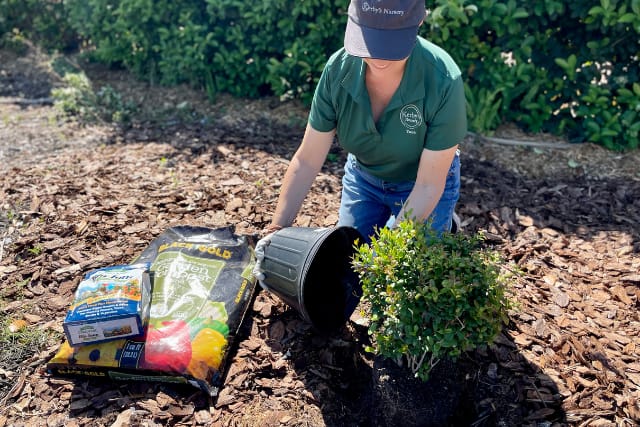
[295,187]
[421,202]
[429,186]
[302,171]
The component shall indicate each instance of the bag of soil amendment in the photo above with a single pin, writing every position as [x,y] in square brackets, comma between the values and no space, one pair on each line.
[201,288]
[110,303]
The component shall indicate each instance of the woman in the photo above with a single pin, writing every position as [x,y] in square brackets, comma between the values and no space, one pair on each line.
[396,104]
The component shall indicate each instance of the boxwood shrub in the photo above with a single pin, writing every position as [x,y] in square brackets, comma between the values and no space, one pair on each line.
[429,297]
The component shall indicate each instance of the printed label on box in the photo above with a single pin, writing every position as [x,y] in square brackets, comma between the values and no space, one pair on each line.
[110,303]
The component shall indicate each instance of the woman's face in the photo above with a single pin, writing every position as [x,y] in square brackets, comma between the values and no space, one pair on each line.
[384,64]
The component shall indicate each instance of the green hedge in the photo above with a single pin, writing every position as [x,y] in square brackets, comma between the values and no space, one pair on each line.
[243,48]
[43,22]
[569,68]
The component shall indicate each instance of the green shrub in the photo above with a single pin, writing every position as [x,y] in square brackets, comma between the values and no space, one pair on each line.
[42,21]
[243,48]
[15,41]
[273,46]
[430,297]
[77,98]
[570,68]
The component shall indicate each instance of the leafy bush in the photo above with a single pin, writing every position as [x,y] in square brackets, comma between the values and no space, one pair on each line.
[242,48]
[570,68]
[430,297]
[42,21]
[77,98]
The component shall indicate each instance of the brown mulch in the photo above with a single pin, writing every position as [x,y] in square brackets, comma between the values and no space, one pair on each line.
[75,197]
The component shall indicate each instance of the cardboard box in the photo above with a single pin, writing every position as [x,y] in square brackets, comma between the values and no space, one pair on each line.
[110,303]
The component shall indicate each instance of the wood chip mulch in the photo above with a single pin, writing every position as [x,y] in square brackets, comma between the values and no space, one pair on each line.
[568,357]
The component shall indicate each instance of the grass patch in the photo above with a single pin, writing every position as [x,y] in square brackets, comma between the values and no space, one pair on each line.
[20,345]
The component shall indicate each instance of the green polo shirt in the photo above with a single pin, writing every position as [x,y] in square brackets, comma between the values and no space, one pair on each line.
[427,111]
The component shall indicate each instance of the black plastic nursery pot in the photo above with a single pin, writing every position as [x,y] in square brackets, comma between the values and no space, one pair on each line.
[310,270]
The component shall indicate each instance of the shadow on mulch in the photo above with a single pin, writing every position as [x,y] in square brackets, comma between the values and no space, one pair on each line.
[574,206]
[94,399]
[354,388]
[494,198]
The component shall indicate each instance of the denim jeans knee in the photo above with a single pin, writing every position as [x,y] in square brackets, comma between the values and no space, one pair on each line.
[442,216]
[369,203]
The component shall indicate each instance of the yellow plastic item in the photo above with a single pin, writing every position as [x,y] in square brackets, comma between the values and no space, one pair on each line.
[207,350]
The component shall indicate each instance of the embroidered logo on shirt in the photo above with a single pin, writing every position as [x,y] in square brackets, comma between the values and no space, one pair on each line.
[410,117]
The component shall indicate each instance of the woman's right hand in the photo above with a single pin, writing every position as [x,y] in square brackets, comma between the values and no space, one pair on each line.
[265,240]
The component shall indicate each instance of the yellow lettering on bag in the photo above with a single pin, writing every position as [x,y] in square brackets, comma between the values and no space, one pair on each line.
[241,291]
[214,250]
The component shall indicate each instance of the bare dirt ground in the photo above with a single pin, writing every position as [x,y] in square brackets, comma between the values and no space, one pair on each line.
[76,197]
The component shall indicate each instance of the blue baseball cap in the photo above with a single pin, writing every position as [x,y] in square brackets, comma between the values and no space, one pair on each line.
[383,29]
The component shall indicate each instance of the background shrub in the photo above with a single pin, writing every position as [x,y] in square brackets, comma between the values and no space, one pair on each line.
[569,68]
[43,22]
[77,99]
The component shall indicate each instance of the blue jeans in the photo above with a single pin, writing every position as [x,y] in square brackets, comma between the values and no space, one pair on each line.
[369,202]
